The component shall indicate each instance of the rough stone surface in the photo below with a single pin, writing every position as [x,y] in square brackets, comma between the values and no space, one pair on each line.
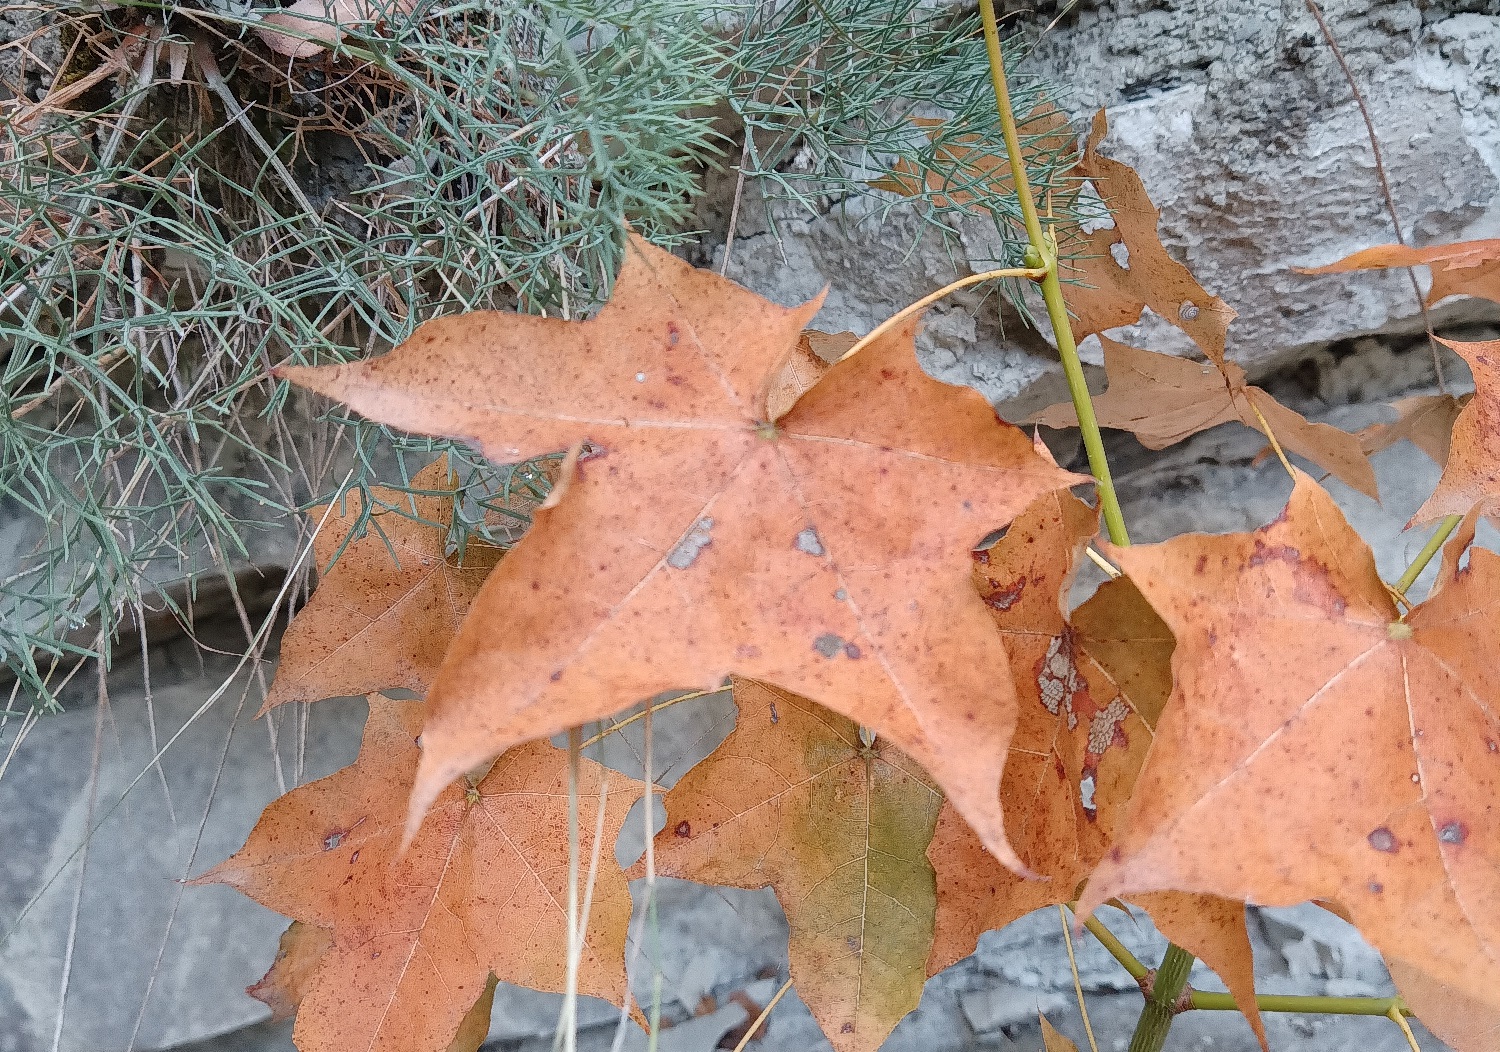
[1243,128]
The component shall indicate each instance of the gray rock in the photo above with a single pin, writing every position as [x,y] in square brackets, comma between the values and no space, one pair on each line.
[1245,133]
[149,962]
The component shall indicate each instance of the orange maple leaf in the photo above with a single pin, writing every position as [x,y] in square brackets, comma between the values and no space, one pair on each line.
[1466,268]
[825,551]
[1426,421]
[1111,274]
[1090,689]
[1163,399]
[1319,746]
[417,934]
[385,613]
[1471,475]
[795,799]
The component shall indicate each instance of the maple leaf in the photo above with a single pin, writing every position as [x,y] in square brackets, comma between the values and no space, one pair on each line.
[1467,268]
[1111,274]
[298,956]
[1052,1041]
[1319,746]
[1089,693]
[1471,474]
[383,616]
[796,800]
[825,551]
[1163,399]
[416,935]
[965,171]
[1426,421]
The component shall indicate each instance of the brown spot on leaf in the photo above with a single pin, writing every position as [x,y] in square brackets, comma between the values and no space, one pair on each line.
[1003,599]
[682,829]
[1383,839]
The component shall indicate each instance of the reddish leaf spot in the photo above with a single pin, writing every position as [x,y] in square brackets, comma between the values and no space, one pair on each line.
[775,717]
[1383,839]
[1376,887]
[682,829]
[354,857]
[673,334]
[746,652]
[982,558]
[556,675]
[1003,599]
[847,1028]
[334,839]
[852,652]
[1453,833]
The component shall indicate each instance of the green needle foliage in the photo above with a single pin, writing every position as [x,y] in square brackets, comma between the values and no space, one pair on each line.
[182,209]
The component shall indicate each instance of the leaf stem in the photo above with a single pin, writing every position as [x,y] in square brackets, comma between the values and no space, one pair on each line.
[1206,1001]
[1057,311]
[928,300]
[1432,547]
[1216,1002]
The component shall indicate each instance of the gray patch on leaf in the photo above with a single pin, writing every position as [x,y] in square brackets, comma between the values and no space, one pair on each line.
[808,542]
[828,644]
[686,552]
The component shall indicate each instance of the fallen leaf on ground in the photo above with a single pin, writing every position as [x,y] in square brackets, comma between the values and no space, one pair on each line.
[796,800]
[1426,421]
[1318,746]
[1089,692]
[298,958]
[310,27]
[1471,475]
[1163,399]
[1111,274]
[826,552]
[383,616]
[416,934]
[1466,268]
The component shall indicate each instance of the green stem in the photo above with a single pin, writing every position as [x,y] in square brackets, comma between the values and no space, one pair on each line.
[1117,949]
[1057,310]
[1161,1002]
[1214,1002]
[1432,547]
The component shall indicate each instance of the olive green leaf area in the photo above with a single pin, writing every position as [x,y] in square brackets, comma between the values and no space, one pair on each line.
[794,798]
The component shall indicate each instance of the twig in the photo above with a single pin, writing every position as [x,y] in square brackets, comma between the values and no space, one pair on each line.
[1385,185]
[1083,1009]
[764,1015]
[928,300]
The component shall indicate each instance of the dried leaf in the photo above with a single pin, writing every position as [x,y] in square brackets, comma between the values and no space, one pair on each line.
[309,27]
[1467,268]
[1112,273]
[476,1024]
[298,958]
[385,613]
[1163,399]
[1052,1041]
[794,799]
[1089,694]
[1461,1022]
[1424,420]
[1346,753]
[417,934]
[1471,475]
[815,354]
[965,170]
[827,554]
